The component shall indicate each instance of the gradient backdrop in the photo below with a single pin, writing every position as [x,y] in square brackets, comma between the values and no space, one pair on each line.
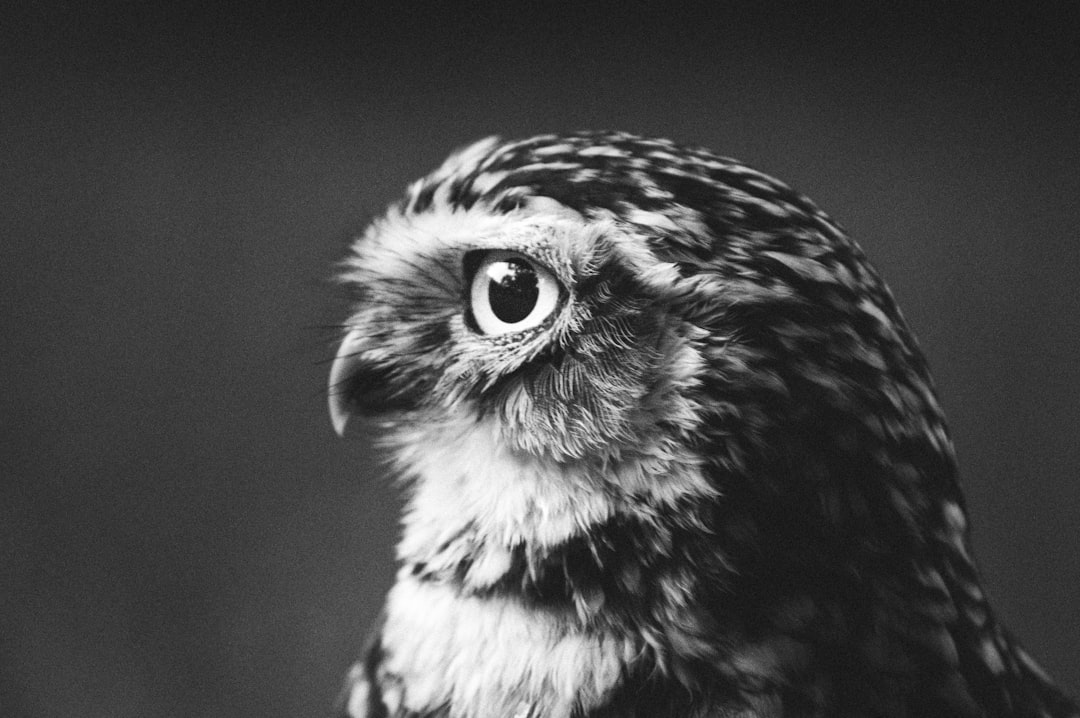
[181,533]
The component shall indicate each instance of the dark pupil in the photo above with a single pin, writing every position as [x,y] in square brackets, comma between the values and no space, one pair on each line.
[513,290]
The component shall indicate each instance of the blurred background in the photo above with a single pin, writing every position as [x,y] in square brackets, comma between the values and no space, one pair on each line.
[181,532]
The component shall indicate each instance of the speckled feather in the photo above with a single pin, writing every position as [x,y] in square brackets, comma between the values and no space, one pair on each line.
[716,481]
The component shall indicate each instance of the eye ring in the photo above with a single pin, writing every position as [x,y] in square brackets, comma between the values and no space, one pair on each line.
[510,292]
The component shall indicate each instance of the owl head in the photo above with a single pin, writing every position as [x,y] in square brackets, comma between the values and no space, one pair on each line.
[560,331]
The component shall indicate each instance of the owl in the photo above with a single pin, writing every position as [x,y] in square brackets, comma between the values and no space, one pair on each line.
[669,448]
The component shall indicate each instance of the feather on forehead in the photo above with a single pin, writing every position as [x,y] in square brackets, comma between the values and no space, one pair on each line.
[570,244]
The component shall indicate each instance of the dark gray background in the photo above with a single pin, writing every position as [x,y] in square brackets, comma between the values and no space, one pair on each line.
[181,534]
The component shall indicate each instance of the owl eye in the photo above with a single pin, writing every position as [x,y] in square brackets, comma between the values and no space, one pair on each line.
[511,292]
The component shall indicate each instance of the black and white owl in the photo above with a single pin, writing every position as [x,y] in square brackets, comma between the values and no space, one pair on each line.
[670,450]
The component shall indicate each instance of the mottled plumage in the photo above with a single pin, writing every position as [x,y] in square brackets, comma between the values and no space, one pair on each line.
[671,450]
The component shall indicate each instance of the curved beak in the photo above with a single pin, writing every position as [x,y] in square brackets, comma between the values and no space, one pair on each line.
[345,364]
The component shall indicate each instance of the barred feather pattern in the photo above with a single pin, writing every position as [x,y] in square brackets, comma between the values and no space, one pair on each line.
[715,482]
